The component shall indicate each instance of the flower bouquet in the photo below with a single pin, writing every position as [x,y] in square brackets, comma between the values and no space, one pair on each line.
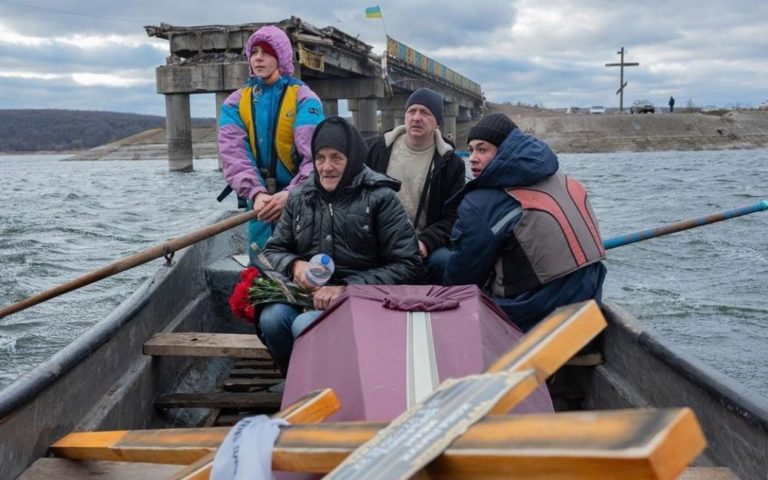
[255,289]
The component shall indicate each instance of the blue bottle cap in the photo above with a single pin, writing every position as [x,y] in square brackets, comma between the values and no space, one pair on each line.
[325,259]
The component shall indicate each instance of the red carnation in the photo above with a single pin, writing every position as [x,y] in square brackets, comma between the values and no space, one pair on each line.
[253,290]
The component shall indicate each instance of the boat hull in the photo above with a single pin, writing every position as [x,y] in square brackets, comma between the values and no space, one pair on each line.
[640,369]
[103,381]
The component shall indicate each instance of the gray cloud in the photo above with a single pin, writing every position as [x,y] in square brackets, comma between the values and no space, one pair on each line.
[549,53]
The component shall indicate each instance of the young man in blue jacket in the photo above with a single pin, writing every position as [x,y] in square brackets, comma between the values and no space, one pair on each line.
[526,232]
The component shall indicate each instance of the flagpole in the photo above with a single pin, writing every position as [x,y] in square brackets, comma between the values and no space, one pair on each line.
[386,34]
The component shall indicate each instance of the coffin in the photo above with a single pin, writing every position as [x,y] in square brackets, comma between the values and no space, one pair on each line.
[384,348]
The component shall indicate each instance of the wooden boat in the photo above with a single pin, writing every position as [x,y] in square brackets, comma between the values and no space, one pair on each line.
[115,378]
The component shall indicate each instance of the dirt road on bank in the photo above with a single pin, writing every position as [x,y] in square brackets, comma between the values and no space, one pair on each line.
[624,132]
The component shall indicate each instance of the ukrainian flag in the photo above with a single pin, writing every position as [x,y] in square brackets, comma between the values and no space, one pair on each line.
[373,12]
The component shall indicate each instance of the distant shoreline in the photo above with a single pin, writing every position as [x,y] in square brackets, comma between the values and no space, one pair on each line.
[564,133]
[41,152]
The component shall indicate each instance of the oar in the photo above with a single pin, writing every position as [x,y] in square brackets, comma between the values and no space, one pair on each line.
[683,225]
[166,249]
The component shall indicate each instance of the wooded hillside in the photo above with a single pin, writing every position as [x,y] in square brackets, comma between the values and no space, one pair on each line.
[58,130]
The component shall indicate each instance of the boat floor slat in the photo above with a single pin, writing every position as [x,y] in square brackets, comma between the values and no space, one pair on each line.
[258,400]
[245,384]
[48,468]
[229,419]
[257,373]
[265,363]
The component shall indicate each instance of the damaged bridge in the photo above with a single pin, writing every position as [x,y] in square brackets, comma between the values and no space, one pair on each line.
[336,65]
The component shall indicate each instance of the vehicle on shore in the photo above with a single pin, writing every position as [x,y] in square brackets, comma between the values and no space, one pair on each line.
[642,106]
[596,110]
[105,381]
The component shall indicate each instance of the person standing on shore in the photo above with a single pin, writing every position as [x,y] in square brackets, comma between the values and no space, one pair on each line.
[526,233]
[417,155]
[265,131]
[671,104]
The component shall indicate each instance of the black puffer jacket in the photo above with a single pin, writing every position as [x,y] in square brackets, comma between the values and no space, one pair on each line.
[362,226]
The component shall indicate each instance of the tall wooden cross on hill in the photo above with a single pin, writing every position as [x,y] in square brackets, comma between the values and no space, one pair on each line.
[622,83]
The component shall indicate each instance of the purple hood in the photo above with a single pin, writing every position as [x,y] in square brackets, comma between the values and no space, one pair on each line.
[279,41]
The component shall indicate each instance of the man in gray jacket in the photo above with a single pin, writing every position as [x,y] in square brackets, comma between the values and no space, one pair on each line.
[349,212]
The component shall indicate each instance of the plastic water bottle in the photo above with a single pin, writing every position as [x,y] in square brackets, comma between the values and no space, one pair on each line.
[320,269]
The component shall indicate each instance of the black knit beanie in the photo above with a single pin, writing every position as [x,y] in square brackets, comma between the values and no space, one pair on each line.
[333,135]
[493,128]
[337,133]
[430,99]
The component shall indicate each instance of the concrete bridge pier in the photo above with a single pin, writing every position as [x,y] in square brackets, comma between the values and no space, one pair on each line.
[399,117]
[178,127]
[353,109]
[364,115]
[387,120]
[450,112]
[366,121]
[465,114]
[392,112]
[331,108]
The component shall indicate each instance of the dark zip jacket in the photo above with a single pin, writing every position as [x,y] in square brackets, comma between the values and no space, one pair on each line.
[446,180]
[522,160]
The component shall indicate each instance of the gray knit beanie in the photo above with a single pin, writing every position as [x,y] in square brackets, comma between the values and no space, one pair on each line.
[430,99]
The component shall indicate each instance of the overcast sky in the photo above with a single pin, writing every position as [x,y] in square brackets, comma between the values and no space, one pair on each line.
[94,54]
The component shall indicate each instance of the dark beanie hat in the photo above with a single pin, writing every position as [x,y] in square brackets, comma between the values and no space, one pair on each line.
[430,99]
[493,128]
[337,133]
[333,135]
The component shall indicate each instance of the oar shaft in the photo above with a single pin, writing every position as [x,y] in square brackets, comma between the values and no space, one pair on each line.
[683,225]
[127,263]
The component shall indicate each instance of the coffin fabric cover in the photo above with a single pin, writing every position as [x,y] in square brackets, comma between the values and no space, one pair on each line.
[359,347]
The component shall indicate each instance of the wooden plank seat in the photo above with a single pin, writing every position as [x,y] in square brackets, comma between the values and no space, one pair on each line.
[196,344]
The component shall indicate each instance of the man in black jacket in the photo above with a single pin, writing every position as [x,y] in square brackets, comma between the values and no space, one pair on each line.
[425,163]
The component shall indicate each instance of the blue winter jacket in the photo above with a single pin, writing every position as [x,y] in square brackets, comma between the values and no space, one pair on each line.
[522,160]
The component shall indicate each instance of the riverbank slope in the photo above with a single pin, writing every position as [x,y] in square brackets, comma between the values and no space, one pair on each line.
[565,133]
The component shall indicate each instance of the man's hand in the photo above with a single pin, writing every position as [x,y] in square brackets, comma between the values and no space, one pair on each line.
[300,275]
[259,201]
[423,250]
[325,296]
[273,208]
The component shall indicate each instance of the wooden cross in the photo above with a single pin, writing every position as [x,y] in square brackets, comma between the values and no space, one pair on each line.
[455,432]
[622,83]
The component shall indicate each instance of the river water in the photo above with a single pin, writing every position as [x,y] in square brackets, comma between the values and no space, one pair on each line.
[703,290]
